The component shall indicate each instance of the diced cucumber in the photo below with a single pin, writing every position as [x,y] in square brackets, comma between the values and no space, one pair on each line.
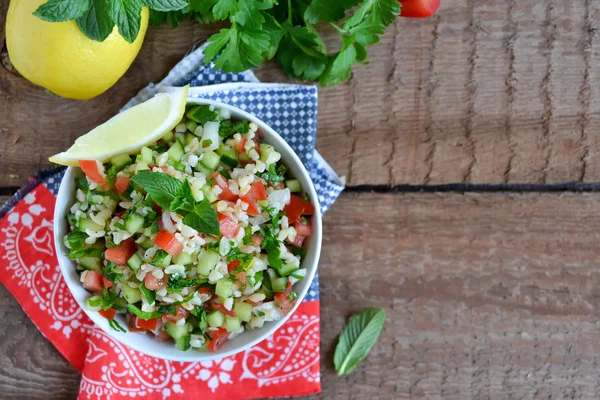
[209,194]
[229,159]
[141,166]
[121,161]
[211,160]
[268,294]
[207,262]
[198,114]
[293,185]
[263,203]
[215,319]
[177,331]
[299,273]
[265,151]
[134,223]
[287,269]
[279,284]
[191,125]
[224,288]
[91,263]
[232,324]
[201,168]
[243,311]
[177,165]
[132,295]
[168,136]
[183,343]
[183,258]
[85,223]
[188,138]
[146,244]
[176,151]
[134,262]
[146,154]
[197,192]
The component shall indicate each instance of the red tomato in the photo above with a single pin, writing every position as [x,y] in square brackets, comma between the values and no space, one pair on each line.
[279,186]
[254,303]
[132,325]
[283,299]
[153,283]
[92,281]
[108,314]
[168,242]
[218,338]
[298,241]
[157,208]
[106,282]
[418,8]
[233,265]
[181,313]
[257,192]
[94,170]
[257,239]
[298,207]
[229,228]
[149,324]
[163,336]
[120,254]
[241,144]
[120,213]
[303,229]
[205,290]
[218,306]
[226,193]
[121,184]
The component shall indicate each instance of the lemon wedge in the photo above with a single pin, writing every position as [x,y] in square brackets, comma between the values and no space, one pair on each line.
[130,130]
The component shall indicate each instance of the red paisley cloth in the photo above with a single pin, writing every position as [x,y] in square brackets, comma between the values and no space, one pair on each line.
[286,364]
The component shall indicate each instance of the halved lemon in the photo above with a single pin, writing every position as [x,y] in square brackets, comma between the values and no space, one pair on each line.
[130,130]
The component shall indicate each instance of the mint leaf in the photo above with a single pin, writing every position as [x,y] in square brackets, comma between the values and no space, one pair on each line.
[165,5]
[357,338]
[161,187]
[339,66]
[241,48]
[328,10]
[184,200]
[203,219]
[96,23]
[62,10]
[127,16]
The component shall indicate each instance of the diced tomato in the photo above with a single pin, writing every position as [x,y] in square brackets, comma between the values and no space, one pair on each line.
[418,8]
[205,290]
[108,314]
[149,324]
[241,144]
[120,213]
[218,338]
[168,242]
[157,208]
[257,192]
[229,228]
[298,207]
[279,186]
[218,306]
[120,254]
[121,184]
[163,336]
[153,283]
[283,299]
[303,229]
[181,313]
[259,134]
[298,241]
[133,325]
[257,239]
[107,284]
[226,193]
[92,281]
[233,265]
[254,303]
[94,170]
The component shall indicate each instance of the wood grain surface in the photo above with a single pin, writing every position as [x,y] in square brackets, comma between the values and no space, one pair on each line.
[489,296]
[484,92]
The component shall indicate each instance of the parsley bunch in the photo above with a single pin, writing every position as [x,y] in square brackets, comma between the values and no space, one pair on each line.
[260,29]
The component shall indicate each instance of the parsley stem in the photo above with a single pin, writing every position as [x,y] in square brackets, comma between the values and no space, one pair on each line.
[290,11]
[337,28]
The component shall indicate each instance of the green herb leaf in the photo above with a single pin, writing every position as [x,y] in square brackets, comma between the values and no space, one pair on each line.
[227,128]
[127,16]
[161,187]
[165,5]
[159,257]
[142,314]
[112,271]
[177,282]
[381,12]
[302,53]
[203,114]
[116,326]
[357,338]
[167,309]
[96,23]
[328,10]
[203,219]
[184,200]
[149,295]
[339,66]
[241,48]
[62,10]
[223,8]
[272,176]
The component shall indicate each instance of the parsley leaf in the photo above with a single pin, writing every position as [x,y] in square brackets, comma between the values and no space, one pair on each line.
[127,17]
[112,271]
[228,128]
[62,10]
[176,282]
[339,66]
[161,187]
[328,10]
[97,22]
[272,176]
[203,219]
[241,48]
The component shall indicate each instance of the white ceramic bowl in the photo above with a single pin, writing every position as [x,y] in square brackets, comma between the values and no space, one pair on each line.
[145,343]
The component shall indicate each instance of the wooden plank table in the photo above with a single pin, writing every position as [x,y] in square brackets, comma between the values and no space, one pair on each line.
[489,294]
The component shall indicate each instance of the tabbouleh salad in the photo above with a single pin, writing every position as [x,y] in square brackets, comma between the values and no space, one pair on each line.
[195,238]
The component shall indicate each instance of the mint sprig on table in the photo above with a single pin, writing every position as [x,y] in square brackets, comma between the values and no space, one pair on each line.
[357,338]
[260,29]
[172,194]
